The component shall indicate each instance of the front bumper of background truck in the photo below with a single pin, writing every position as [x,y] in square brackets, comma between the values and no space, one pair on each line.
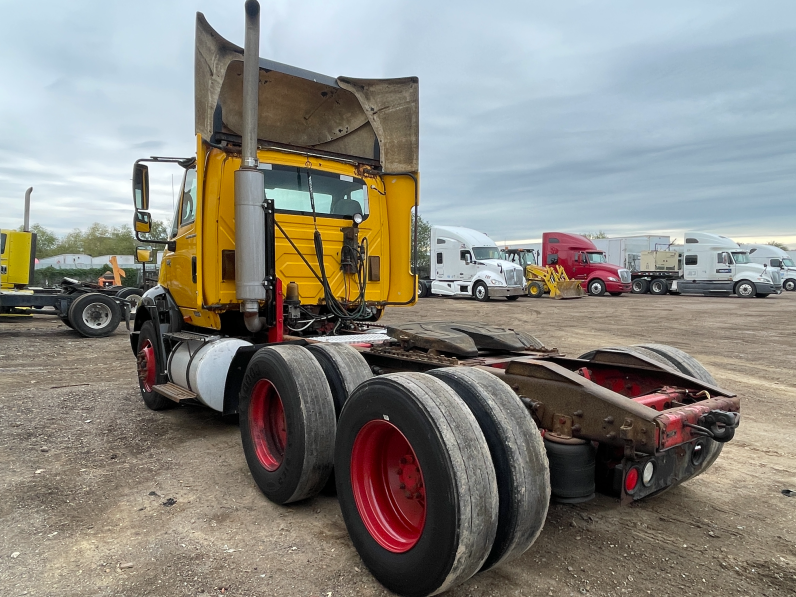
[498,291]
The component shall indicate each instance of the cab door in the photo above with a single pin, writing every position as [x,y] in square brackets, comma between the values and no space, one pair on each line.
[467,265]
[580,266]
[725,266]
[178,271]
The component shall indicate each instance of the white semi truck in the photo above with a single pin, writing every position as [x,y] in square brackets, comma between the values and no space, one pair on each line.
[774,258]
[465,262]
[710,264]
[706,263]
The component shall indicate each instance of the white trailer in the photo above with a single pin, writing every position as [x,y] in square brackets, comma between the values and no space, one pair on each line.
[466,262]
[774,258]
[625,251]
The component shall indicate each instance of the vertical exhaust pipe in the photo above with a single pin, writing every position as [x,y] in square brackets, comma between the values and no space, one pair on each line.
[250,185]
[26,219]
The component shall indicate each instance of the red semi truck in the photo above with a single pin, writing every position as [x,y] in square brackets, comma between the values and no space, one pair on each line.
[583,261]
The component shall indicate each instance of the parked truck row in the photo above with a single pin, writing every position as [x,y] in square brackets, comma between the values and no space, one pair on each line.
[468,263]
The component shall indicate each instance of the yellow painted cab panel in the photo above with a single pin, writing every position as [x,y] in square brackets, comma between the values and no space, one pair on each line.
[218,240]
[17,258]
[400,199]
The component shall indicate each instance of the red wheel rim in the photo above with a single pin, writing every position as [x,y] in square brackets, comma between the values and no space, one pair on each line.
[147,369]
[388,486]
[267,425]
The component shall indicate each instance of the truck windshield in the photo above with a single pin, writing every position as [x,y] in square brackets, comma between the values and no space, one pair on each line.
[741,257]
[787,262]
[336,195]
[486,253]
[597,258]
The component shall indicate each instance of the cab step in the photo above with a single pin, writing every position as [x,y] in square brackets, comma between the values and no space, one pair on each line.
[173,392]
[190,336]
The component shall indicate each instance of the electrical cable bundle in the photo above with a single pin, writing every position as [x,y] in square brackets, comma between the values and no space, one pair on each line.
[359,257]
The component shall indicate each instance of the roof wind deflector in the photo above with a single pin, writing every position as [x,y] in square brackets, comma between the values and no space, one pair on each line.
[372,119]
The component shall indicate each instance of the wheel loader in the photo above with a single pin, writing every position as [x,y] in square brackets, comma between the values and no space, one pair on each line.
[541,279]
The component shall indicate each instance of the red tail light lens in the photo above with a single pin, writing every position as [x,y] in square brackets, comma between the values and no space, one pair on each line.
[631,480]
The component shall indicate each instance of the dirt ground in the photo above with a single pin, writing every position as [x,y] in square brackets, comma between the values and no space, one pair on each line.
[101,496]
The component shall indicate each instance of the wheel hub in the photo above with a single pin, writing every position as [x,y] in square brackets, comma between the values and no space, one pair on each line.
[388,486]
[267,425]
[410,480]
[96,315]
[145,363]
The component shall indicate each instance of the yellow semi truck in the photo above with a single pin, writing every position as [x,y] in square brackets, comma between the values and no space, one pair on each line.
[90,310]
[292,234]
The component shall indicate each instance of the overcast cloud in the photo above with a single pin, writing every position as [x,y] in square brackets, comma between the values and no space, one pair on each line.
[622,116]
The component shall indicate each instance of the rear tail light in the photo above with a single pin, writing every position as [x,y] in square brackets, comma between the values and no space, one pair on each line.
[631,480]
[647,473]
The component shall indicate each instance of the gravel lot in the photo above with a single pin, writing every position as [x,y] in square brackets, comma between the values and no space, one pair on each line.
[101,496]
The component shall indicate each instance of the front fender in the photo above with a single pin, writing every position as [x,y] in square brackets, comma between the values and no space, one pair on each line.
[156,305]
[492,280]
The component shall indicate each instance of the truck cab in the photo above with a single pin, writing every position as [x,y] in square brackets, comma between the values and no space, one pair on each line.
[466,262]
[583,261]
[293,215]
[714,264]
[775,259]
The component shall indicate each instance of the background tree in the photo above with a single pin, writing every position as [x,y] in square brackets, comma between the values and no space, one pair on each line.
[46,241]
[593,235]
[778,244]
[160,230]
[422,261]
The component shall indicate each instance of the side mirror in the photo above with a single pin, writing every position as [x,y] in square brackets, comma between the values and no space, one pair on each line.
[141,187]
[143,255]
[142,222]
[552,259]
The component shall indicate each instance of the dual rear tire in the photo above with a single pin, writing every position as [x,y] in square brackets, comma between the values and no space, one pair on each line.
[438,476]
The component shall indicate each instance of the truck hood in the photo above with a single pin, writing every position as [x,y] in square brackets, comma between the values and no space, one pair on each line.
[755,269]
[496,264]
[373,121]
[607,267]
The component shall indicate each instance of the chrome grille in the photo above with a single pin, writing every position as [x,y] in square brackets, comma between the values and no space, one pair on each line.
[624,275]
[514,277]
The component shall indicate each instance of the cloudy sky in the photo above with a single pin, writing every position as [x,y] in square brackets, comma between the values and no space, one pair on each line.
[622,116]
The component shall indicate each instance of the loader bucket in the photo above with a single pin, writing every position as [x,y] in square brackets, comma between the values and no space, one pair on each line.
[569,289]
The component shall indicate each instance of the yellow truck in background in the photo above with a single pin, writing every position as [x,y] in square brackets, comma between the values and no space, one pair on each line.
[86,308]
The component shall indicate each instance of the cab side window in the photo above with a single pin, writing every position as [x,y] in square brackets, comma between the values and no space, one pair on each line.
[188,200]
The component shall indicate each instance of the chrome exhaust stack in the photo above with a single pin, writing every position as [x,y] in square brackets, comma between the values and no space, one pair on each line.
[250,268]
[26,220]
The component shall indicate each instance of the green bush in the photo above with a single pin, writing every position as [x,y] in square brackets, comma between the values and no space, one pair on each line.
[51,276]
